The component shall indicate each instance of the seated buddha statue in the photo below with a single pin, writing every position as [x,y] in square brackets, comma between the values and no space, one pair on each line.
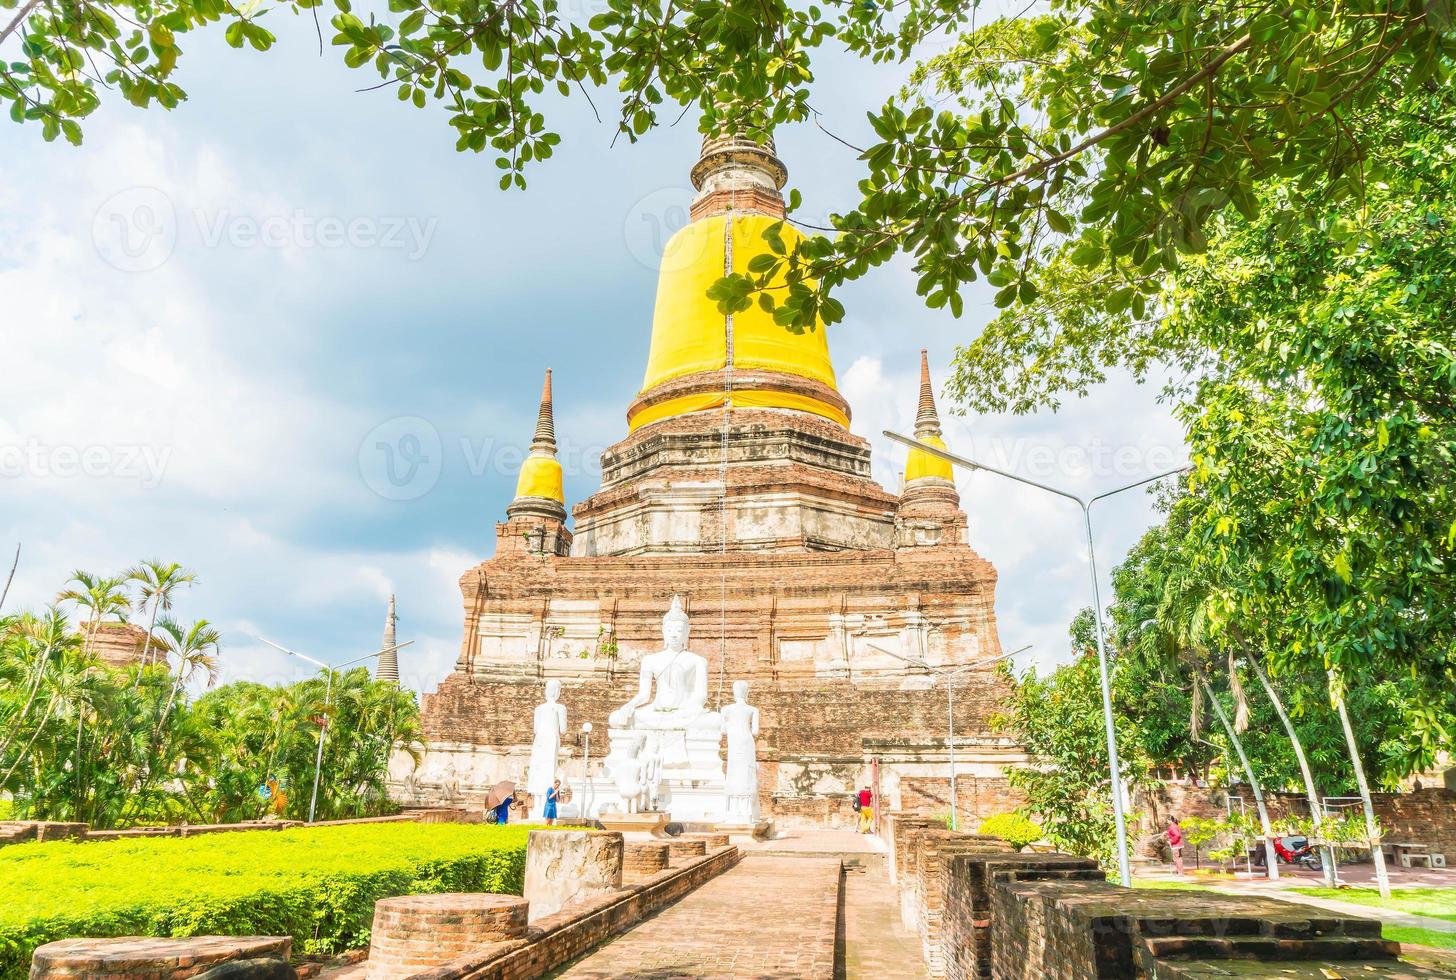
[672,685]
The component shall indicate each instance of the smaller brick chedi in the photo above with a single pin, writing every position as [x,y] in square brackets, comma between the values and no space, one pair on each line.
[739,487]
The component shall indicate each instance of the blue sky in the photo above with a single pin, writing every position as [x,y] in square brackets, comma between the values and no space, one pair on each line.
[211,317]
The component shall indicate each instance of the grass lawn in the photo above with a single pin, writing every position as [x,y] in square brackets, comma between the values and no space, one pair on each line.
[1193,886]
[1421,937]
[318,885]
[1438,903]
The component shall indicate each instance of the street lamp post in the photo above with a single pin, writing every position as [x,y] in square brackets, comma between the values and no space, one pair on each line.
[1113,765]
[318,760]
[586,730]
[949,674]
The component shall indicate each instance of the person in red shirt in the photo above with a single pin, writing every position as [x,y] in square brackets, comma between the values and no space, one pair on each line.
[866,801]
[1175,844]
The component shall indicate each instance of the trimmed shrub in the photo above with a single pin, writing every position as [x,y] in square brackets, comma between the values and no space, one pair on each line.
[1013,828]
[317,885]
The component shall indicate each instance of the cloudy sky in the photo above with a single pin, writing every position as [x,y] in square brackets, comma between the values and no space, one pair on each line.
[211,321]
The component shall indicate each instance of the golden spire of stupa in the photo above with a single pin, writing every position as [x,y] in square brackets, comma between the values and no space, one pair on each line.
[922,466]
[538,488]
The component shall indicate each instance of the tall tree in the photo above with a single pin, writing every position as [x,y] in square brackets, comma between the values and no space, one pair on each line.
[157,583]
[100,596]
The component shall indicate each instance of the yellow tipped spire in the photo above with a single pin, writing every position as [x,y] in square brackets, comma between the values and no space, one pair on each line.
[922,465]
[538,488]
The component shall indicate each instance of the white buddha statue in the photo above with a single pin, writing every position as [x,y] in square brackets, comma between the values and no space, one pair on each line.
[548,725]
[740,725]
[672,685]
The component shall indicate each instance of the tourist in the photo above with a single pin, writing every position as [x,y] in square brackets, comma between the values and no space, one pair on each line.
[1175,844]
[503,810]
[866,809]
[552,795]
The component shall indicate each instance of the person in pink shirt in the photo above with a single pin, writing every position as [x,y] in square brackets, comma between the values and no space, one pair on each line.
[1175,844]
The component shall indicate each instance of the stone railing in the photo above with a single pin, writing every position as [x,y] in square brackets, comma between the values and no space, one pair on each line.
[986,912]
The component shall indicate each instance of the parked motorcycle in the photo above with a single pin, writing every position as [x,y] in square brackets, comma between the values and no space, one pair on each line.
[1294,849]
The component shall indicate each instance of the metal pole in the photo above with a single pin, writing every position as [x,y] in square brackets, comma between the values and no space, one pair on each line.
[318,762]
[1114,766]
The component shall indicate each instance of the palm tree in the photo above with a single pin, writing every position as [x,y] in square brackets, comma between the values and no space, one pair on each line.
[40,639]
[196,648]
[157,582]
[99,596]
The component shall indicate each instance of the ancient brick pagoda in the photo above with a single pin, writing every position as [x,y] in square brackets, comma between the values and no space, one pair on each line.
[739,487]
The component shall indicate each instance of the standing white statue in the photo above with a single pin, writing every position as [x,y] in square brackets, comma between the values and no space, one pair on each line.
[740,725]
[548,724]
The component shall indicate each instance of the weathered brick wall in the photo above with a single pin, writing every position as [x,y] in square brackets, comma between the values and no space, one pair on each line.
[1085,930]
[979,796]
[1182,799]
[966,880]
[21,831]
[413,933]
[686,848]
[642,859]
[903,827]
[832,719]
[1424,816]
[935,847]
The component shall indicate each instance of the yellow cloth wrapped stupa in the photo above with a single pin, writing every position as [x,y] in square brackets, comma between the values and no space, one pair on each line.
[922,467]
[538,487]
[701,359]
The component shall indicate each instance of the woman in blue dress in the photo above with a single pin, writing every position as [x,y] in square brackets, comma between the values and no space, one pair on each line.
[503,810]
[552,795]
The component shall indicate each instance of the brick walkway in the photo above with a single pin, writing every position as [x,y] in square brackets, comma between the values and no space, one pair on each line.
[877,945]
[770,918]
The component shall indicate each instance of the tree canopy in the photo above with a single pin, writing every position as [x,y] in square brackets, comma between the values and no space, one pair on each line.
[1113,131]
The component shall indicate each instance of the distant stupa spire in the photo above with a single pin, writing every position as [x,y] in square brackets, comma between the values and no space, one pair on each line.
[387,668]
[927,419]
[538,488]
[545,437]
[922,466]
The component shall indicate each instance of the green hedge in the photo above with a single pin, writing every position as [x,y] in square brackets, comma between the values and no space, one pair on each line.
[318,886]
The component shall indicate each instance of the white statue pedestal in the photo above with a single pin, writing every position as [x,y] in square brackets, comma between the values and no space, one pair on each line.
[637,826]
[690,784]
[744,833]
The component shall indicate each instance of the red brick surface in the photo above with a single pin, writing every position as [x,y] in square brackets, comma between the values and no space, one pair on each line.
[148,957]
[412,933]
[769,917]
